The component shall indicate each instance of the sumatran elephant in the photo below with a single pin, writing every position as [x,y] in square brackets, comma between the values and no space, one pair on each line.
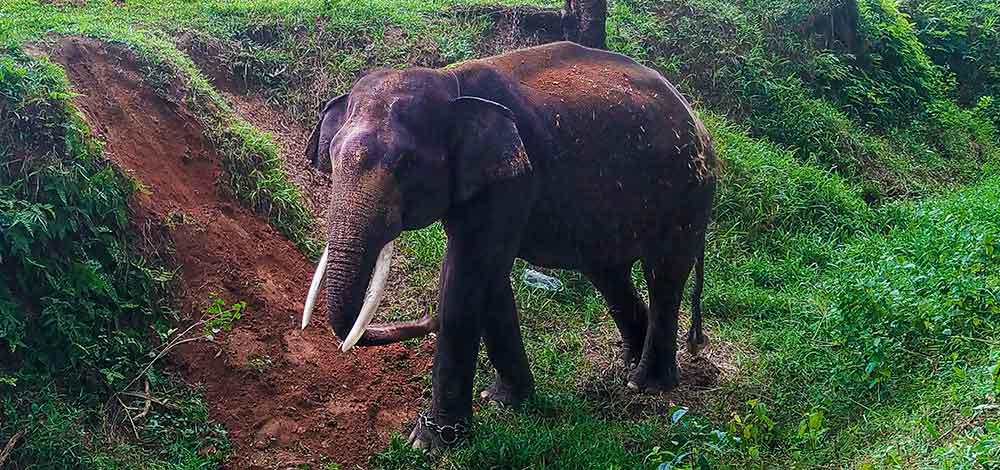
[565,156]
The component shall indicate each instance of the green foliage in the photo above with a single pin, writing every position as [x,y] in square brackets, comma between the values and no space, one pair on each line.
[67,433]
[931,284]
[218,317]
[867,106]
[811,429]
[893,73]
[766,195]
[73,294]
[76,298]
[964,36]
[989,108]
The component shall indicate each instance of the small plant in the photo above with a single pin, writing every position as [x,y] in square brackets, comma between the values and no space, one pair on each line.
[177,218]
[219,317]
[753,429]
[260,364]
[811,428]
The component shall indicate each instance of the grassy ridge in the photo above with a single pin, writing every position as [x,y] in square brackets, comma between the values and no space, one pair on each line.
[860,319]
[78,299]
[250,157]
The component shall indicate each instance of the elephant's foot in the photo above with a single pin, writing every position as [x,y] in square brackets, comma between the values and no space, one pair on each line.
[633,353]
[508,395]
[696,343]
[429,433]
[654,378]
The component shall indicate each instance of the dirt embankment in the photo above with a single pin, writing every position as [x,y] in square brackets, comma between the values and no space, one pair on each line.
[286,397]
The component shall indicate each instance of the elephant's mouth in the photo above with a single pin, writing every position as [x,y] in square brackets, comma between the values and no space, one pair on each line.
[361,333]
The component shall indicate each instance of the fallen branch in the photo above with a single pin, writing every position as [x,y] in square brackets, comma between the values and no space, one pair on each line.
[149,403]
[135,430]
[11,444]
[177,341]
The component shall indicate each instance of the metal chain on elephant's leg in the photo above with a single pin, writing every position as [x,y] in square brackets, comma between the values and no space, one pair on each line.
[449,434]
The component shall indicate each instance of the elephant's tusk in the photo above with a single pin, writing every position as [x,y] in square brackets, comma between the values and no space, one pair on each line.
[372,298]
[314,287]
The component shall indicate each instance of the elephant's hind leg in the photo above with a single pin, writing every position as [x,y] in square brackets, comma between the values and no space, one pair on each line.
[502,336]
[626,307]
[657,370]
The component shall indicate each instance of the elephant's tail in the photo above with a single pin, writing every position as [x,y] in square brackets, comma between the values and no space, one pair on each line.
[697,339]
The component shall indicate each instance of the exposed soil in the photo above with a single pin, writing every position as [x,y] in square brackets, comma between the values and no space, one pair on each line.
[289,136]
[291,140]
[286,397]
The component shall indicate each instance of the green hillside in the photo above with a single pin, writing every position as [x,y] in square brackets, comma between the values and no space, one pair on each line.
[853,268]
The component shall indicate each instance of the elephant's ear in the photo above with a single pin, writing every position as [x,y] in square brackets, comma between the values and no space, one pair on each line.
[487,147]
[331,118]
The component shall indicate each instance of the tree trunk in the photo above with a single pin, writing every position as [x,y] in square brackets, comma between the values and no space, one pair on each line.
[584,22]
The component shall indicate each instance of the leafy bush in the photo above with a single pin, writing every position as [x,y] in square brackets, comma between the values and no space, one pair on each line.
[73,297]
[931,284]
[964,36]
[894,72]
[77,301]
[989,108]
[868,106]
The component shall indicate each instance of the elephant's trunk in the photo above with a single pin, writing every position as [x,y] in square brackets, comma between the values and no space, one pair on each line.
[373,295]
[354,274]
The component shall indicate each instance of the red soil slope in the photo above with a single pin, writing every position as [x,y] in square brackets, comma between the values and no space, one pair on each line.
[286,397]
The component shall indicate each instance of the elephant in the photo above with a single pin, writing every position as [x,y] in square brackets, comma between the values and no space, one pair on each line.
[565,156]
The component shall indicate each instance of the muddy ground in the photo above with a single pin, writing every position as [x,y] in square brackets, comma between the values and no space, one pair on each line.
[285,396]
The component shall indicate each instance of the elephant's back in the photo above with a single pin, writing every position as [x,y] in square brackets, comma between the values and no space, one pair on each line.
[624,158]
[608,103]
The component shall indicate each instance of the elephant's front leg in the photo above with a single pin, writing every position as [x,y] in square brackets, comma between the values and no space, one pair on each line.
[467,277]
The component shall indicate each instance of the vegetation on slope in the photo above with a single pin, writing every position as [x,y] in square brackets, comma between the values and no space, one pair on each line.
[861,98]
[80,296]
[855,296]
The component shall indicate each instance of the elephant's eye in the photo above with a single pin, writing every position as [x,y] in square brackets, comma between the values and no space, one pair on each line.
[404,161]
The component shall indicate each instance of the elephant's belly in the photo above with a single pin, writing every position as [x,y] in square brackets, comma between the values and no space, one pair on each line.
[600,215]
[570,236]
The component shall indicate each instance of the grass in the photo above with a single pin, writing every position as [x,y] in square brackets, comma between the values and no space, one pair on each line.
[853,278]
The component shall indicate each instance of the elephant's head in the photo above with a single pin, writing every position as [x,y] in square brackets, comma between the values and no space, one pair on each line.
[403,148]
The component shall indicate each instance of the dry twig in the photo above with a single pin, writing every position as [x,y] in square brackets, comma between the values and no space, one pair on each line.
[11,444]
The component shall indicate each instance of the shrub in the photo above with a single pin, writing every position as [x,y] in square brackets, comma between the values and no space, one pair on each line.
[73,296]
[931,284]
[962,35]
[78,302]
